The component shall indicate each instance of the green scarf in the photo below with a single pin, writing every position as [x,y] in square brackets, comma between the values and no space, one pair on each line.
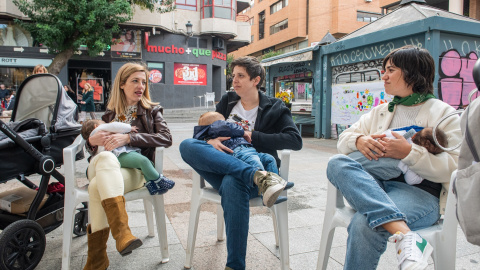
[410,100]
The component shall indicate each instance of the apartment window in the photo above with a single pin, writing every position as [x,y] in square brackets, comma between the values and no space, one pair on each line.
[278,5]
[186,4]
[287,49]
[303,44]
[261,25]
[278,27]
[251,39]
[363,16]
[224,9]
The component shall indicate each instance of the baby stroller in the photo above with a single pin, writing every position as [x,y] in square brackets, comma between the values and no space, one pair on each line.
[42,124]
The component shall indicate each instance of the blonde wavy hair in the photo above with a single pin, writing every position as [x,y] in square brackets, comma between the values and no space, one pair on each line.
[39,69]
[87,88]
[118,101]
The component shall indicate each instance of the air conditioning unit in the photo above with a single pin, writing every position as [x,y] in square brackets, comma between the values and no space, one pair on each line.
[218,43]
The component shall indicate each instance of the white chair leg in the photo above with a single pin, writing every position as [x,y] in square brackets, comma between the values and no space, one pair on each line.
[68,221]
[149,216]
[220,224]
[325,245]
[192,229]
[281,212]
[161,226]
[275,229]
[443,253]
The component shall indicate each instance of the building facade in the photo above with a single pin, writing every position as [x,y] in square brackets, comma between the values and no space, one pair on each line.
[183,64]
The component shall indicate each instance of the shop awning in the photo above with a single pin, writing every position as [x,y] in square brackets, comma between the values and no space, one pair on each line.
[295,56]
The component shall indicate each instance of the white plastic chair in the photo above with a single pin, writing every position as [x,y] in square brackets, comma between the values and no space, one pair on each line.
[442,235]
[209,97]
[202,194]
[75,195]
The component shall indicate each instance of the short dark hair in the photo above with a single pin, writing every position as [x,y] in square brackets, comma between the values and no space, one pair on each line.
[417,65]
[252,66]
[88,126]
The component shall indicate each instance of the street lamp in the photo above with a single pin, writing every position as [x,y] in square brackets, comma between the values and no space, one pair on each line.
[188,25]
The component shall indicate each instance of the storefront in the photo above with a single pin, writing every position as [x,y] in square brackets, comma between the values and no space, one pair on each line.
[181,67]
[352,67]
[292,73]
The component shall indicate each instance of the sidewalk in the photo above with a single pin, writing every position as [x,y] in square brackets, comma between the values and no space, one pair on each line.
[306,206]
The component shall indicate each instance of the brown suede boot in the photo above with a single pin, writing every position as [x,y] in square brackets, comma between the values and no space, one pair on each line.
[118,220]
[97,258]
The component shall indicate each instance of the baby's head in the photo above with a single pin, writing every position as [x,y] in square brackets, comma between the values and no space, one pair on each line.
[209,117]
[88,126]
[425,138]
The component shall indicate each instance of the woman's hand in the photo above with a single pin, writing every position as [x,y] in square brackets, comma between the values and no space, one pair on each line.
[82,102]
[116,140]
[370,147]
[397,148]
[99,138]
[217,144]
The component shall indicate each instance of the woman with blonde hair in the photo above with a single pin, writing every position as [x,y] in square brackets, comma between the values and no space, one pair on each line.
[39,69]
[87,103]
[129,103]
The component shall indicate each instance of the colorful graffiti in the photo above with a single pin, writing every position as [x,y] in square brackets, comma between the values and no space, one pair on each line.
[455,77]
[350,101]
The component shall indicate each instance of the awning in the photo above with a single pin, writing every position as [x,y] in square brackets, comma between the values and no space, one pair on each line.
[306,56]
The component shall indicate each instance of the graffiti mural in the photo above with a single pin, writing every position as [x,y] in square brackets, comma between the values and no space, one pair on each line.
[350,101]
[455,77]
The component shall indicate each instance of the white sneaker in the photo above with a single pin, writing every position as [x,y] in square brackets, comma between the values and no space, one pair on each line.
[412,250]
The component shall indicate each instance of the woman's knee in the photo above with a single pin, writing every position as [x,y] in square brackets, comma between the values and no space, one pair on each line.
[337,165]
[106,160]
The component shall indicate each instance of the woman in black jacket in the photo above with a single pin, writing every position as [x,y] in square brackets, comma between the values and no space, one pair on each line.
[270,126]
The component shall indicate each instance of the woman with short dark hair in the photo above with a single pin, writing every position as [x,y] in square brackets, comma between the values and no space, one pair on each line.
[392,209]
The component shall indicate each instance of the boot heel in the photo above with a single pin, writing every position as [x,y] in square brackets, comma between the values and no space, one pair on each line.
[136,243]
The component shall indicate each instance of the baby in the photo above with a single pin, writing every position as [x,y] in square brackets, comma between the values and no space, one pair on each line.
[389,168]
[129,157]
[212,125]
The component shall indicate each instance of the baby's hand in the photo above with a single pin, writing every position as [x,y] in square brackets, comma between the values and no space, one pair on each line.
[134,129]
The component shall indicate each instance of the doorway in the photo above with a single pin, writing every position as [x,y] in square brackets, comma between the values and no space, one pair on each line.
[97,73]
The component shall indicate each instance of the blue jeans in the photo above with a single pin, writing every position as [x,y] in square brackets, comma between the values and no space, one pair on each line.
[377,202]
[262,161]
[233,180]
[381,169]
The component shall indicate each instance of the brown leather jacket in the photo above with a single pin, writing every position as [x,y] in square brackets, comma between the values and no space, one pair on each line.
[152,130]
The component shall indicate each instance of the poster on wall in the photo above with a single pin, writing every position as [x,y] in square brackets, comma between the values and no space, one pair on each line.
[127,44]
[190,74]
[156,72]
[350,101]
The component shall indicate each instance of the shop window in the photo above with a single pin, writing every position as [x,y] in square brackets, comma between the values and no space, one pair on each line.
[363,16]
[278,6]
[157,72]
[224,9]
[186,4]
[303,44]
[203,43]
[278,27]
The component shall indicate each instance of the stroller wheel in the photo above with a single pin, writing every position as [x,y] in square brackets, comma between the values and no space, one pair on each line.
[23,243]
[80,223]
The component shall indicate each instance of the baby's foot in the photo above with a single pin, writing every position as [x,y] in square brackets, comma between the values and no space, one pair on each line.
[159,186]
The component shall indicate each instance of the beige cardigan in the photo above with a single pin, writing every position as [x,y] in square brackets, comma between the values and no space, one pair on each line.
[436,168]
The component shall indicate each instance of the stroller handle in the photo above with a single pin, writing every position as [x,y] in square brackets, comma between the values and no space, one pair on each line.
[46,163]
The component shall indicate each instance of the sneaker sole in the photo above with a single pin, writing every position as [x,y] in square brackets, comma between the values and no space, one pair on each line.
[272,193]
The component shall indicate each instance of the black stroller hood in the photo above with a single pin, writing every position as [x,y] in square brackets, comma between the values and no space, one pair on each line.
[42,96]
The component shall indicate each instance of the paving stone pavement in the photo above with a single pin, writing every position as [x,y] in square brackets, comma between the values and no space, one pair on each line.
[306,206]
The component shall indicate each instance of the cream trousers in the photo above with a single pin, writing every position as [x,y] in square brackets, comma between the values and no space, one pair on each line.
[108,180]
